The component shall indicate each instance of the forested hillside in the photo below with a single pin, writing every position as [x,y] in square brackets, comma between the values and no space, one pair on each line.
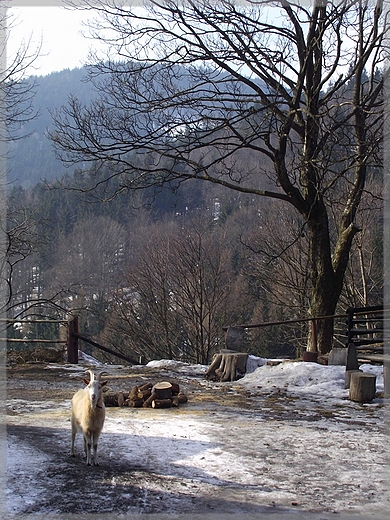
[32,158]
[158,273]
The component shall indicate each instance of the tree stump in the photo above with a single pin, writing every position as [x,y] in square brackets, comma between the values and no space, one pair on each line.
[348,374]
[362,387]
[163,390]
[227,366]
[310,356]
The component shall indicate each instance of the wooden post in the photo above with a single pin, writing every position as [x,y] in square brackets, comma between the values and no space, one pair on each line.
[73,341]
[348,375]
[234,339]
[386,377]
[350,313]
[352,360]
[362,387]
[314,335]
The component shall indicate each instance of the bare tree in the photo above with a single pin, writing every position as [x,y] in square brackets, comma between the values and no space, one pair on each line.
[17,234]
[202,279]
[364,282]
[175,295]
[198,84]
[87,262]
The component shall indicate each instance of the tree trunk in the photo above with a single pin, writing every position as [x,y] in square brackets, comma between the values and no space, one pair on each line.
[324,291]
[327,270]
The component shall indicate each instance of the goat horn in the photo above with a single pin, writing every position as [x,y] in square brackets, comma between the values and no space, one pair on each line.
[91,374]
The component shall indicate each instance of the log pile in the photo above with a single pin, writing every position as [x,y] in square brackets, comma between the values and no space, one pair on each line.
[164,394]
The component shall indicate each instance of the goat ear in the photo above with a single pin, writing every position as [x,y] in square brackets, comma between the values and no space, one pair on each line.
[104,383]
[86,381]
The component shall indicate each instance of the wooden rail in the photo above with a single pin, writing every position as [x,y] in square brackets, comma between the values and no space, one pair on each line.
[354,315]
[232,332]
[72,340]
[33,340]
[366,332]
[106,349]
[73,344]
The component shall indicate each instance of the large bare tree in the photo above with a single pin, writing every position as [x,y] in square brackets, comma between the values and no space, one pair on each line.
[194,87]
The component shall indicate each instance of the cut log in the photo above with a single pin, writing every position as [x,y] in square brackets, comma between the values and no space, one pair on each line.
[114,398]
[146,394]
[163,390]
[175,388]
[348,374]
[362,387]
[182,398]
[135,393]
[146,386]
[162,403]
[179,399]
[227,366]
[135,403]
[148,402]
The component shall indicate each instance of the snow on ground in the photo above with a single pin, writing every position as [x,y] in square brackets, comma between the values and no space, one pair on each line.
[298,447]
[304,379]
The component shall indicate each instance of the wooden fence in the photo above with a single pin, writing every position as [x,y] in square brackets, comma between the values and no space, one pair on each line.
[365,328]
[72,341]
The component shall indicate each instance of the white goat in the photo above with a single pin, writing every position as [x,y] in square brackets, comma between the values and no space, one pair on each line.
[88,414]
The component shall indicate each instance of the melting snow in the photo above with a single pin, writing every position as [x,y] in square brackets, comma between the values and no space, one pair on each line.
[299,447]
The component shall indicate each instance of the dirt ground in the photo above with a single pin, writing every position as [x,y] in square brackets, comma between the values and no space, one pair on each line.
[141,469]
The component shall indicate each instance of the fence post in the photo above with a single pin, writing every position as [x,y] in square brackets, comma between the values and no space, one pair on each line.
[350,314]
[314,335]
[73,340]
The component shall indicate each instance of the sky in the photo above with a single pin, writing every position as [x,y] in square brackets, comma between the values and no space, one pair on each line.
[60,31]
[57,30]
